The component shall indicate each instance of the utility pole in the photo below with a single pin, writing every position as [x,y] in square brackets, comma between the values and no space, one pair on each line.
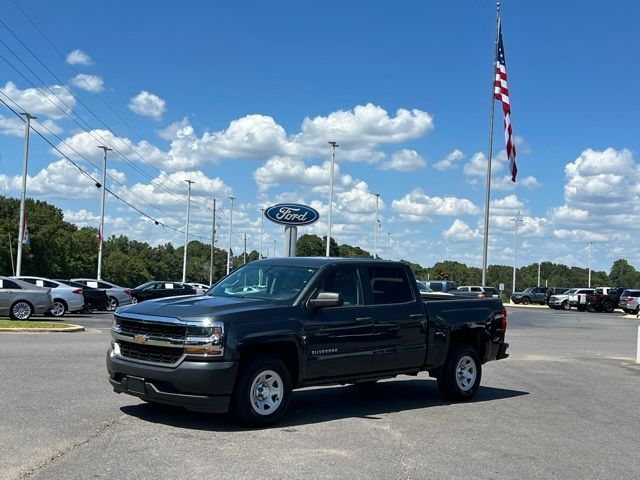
[388,239]
[23,194]
[334,145]
[516,220]
[375,229]
[244,256]
[590,252]
[102,201]
[231,199]
[538,273]
[261,229]
[13,268]
[186,232]
[213,241]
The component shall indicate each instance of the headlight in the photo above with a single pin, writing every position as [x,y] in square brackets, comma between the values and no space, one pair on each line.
[205,340]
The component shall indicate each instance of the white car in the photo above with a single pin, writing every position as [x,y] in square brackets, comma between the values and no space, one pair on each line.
[65,298]
[200,288]
[489,292]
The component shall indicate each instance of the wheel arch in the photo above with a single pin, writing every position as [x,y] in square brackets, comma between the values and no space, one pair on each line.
[285,350]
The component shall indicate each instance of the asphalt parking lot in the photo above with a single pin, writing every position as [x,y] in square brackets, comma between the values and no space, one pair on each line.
[564,405]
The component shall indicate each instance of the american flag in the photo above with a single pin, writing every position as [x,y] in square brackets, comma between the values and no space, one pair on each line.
[501,92]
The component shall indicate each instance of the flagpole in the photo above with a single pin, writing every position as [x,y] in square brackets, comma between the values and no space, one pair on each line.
[485,245]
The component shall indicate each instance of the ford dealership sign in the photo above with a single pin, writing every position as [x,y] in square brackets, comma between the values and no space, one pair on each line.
[291,214]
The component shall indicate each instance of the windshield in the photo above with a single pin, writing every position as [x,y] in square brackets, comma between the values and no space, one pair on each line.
[268,282]
[571,292]
[528,290]
[424,288]
[139,287]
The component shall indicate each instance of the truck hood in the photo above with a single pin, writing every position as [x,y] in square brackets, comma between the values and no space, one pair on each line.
[195,307]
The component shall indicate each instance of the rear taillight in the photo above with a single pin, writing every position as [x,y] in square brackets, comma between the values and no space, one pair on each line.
[127,291]
[503,323]
[77,291]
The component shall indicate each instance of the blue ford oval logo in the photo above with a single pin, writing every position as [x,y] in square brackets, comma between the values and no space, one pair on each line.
[291,214]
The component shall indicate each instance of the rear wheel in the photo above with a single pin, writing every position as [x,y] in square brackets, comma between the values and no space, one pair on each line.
[460,376]
[21,310]
[134,300]
[58,308]
[263,391]
[608,307]
[526,300]
[112,305]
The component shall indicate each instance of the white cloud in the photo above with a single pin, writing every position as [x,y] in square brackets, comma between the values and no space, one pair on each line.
[13,126]
[580,235]
[56,103]
[78,57]
[416,205]
[404,160]
[567,214]
[504,183]
[460,231]
[450,161]
[90,83]
[281,170]
[148,105]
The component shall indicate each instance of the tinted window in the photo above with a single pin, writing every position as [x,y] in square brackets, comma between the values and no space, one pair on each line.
[389,285]
[49,284]
[627,293]
[9,284]
[346,281]
[491,291]
[103,285]
[476,289]
[435,286]
[32,281]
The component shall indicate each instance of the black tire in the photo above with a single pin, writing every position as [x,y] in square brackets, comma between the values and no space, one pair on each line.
[448,379]
[58,309]
[581,308]
[245,403]
[112,304]
[626,311]
[608,307]
[21,310]
[526,300]
[566,305]
[517,302]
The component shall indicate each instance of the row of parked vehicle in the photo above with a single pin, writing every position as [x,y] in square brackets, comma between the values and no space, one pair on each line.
[600,299]
[24,296]
[449,288]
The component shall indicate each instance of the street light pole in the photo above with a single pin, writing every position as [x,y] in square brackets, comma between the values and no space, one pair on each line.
[375,229]
[231,199]
[334,145]
[102,201]
[538,273]
[213,241]
[516,220]
[23,194]
[244,256]
[590,252]
[186,232]
[261,229]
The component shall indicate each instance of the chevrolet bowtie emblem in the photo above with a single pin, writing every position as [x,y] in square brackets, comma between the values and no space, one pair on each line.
[140,338]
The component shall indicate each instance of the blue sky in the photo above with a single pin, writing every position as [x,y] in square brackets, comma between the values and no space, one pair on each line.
[219,92]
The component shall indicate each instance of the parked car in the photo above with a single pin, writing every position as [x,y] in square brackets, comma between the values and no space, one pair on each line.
[118,296]
[578,298]
[283,323]
[65,298]
[553,291]
[19,300]
[604,299]
[426,292]
[480,292]
[94,298]
[530,295]
[630,301]
[153,290]
[439,285]
[200,288]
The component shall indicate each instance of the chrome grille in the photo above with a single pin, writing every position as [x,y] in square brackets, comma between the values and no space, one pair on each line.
[154,329]
[150,353]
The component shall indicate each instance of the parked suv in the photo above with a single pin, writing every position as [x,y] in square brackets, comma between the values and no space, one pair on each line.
[630,301]
[530,295]
[481,292]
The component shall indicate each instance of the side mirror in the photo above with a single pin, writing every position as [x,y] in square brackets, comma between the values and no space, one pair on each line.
[326,299]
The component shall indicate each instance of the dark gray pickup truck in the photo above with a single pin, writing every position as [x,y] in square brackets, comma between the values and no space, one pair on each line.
[279,324]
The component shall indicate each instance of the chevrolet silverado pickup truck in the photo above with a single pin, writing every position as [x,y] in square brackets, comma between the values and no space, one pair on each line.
[279,324]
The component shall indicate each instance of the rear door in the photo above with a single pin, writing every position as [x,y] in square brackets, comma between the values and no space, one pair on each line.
[8,295]
[339,340]
[399,319]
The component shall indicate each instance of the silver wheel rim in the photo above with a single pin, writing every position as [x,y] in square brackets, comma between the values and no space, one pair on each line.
[112,304]
[466,373]
[58,309]
[266,392]
[134,300]
[21,311]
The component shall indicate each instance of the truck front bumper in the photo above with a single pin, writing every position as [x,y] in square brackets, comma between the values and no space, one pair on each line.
[199,386]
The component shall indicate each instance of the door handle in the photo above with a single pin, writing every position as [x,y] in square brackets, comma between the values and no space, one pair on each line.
[363,319]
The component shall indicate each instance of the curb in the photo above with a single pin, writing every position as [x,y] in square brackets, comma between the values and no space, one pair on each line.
[70,329]
[519,305]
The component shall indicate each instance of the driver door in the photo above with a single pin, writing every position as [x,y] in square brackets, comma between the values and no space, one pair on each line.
[340,340]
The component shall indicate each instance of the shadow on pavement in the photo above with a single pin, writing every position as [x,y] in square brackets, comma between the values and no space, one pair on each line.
[319,405]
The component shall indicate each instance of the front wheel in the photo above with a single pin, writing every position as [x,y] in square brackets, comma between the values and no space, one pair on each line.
[263,392]
[526,300]
[21,310]
[566,305]
[460,376]
[581,308]
[608,307]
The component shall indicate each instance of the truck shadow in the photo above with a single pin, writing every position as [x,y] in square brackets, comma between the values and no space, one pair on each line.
[324,404]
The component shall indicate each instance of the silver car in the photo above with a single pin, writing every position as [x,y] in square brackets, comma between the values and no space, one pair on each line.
[65,298]
[630,301]
[118,296]
[20,300]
